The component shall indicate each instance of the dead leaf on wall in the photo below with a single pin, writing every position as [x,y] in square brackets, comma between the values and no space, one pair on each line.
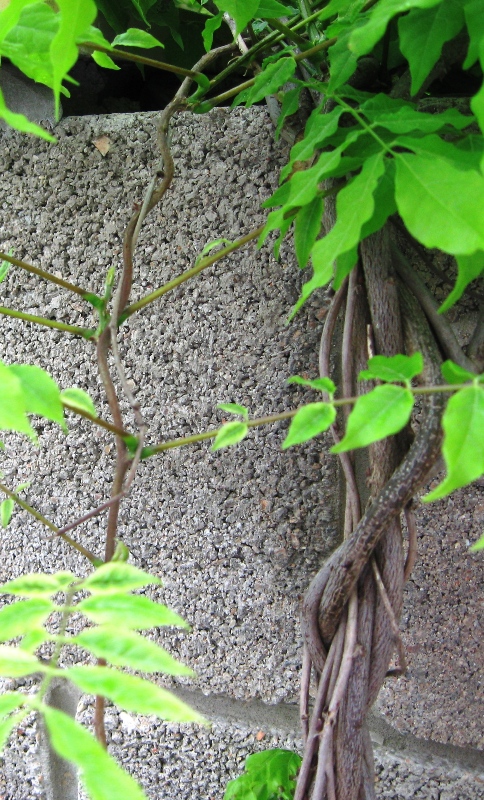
[103,144]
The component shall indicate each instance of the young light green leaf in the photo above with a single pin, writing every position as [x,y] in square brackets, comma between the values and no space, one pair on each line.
[9,701]
[75,17]
[121,552]
[103,60]
[129,611]
[18,618]
[441,206]
[13,407]
[423,32]
[268,775]
[307,227]
[41,393]
[320,384]
[117,576]
[234,408]
[354,206]
[453,373]
[28,44]
[211,246]
[124,648]
[229,434]
[6,510]
[364,39]
[16,663]
[468,269]
[132,693]
[37,584]
[211,25]
[7,726]
[376,415]
[393,369]
[5,266]
[271,79]
[134,37]
[78,398]
[309,421]
[103,779]
[479,545]
[33,639]
[463,445]
[242,11]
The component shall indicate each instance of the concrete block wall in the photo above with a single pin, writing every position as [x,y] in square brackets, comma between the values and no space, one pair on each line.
[235,535]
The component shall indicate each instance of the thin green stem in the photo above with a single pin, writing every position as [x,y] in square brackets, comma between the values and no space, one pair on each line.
[150,62]
[40,518]
[48,276]
[86,333]
[189,273]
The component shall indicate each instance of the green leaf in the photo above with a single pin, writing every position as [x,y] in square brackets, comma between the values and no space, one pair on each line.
[307,227]
[230,433]
[75,17]
[16,663]
[309,421]
[124,648]
[342,60]
[41,393]
[37,584]
[132,693]
[398,116]
[13,407]
[9,701]
[10,15]
[385,206]
[271,79]
[364,39]
[271,9]
[17,618]
[242,11]
[354,207]
[268,775]
[441,206]
[21,123]
[103,779]
[121,552]
[129,611]
[94,35]
[134,37]
[234,408]
[376,415]
[397,368]
[289,106]
[104,60]
[117,576]
[319,127]
[6,510]
[5,266]
[479,545]
[320,384]
[7,726]
[33,639]
[210,246]
[454,374]
[459,156]
[211,26]
[78,398]
[468,269]
[475,28]
[28,44]
[463,445]
[423,32]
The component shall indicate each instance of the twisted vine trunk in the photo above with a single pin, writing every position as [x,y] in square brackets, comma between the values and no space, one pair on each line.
[352,607]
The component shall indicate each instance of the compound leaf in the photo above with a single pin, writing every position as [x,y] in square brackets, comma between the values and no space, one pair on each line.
[37,584]
[129,611]
[117,576]
[128,649]
[16,663]
[18,618]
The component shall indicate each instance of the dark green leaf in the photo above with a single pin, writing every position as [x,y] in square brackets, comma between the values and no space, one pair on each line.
[129,611]
[454,374]
[124,648]
[393,369]
[211,26]
[441,206]
[289,106]
[17,618]
[132,693]
[117,576]
[475,27]
[423,32]
[16,663]
[36,584]
[268,776]
[134,37]
[463,445]
[41,393]
[468,269]
[309,421]
[376,415]
[320,384]
[307,227]
[230,433]
[103,779]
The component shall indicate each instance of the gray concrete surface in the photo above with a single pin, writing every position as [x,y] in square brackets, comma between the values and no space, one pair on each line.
[24,96]
[235,535]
